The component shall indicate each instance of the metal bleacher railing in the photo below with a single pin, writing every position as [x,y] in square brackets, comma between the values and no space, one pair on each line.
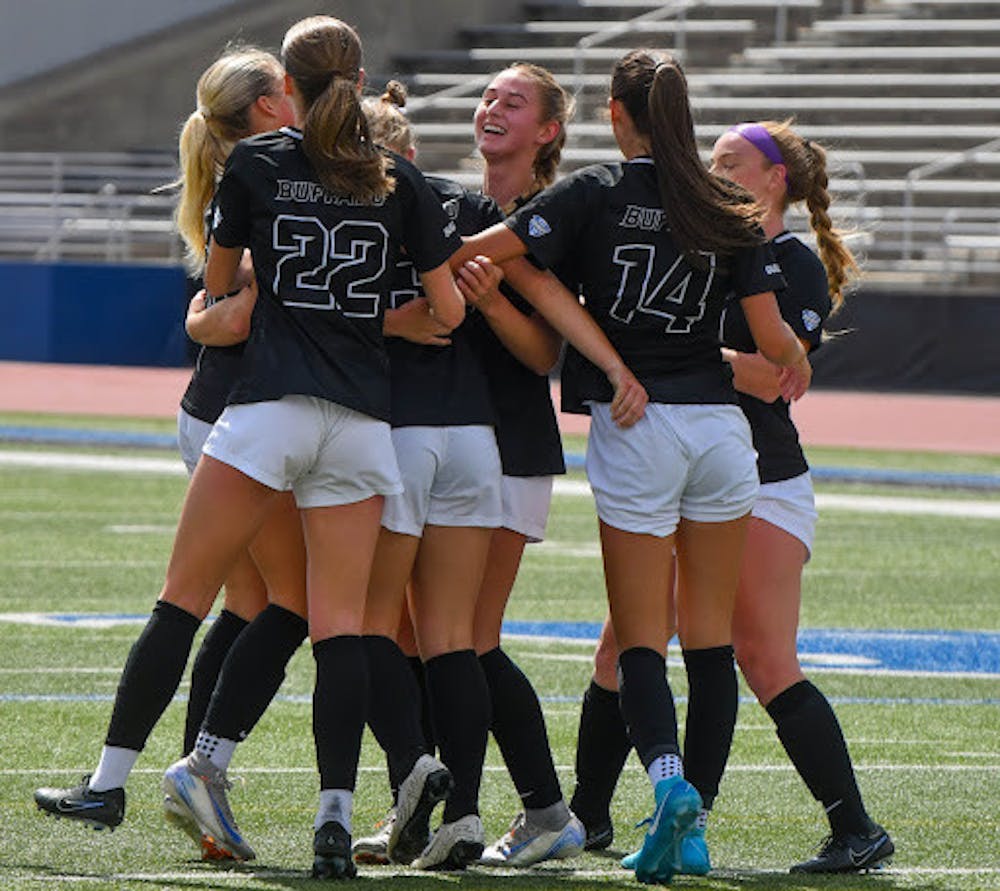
[87,206]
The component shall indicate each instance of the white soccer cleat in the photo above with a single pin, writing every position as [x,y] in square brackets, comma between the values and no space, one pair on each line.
[427,784]
[196,786]
[454,845]
[524,845]
[374,849]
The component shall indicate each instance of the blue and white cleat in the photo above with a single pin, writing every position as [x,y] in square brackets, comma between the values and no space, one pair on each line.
[525,845]
[197,789]
[677,806]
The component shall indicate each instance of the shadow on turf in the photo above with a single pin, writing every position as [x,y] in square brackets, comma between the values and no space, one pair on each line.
[259,878]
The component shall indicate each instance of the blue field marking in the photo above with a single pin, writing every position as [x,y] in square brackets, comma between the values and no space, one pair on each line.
[103,438]
[875,476]
[848,649]
[935,652]
[574,460]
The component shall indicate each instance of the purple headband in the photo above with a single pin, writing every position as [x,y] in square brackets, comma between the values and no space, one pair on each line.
[759,138]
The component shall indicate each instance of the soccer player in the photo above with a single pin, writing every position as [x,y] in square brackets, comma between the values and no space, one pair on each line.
[657,244]
[324,214]
[780,168]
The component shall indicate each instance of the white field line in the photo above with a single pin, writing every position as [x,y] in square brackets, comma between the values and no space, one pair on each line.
[972,508]
[562,768]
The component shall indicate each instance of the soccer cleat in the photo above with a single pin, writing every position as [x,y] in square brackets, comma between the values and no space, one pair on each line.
[427,784]
[454,845]
[102,810]
[374,849]
[178,816]
[524,845]
[197,789]
[677,807]
[850,853]
[600,834]
[690,855]
[332,853]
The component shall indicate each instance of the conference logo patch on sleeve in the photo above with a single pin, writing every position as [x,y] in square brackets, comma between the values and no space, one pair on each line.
[811,319]
[538,226]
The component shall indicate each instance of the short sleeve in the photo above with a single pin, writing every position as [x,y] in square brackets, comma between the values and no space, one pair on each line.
[429,236]
[805,304]
[231,223]
[756,270]
[550,225]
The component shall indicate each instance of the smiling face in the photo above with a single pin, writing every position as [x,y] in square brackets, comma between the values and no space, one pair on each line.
[508,118]
[737,159]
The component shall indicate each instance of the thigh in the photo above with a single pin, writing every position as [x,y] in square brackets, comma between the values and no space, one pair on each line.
[222,511]
[637,568]
[446,580]
[708,568]
[279,552]
[245,591]
[503,561]
[391,568]
[340,544]
[766,617]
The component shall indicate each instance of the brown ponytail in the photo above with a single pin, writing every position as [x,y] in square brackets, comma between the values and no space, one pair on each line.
[323,57]
[703,212]
[805,163]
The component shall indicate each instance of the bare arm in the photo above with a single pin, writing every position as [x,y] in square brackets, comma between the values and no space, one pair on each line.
[564,312]
[226,322]
[498,242]
[414,321]
[221,271]
[754,375]
[446,301]
[528,337]
[778,343]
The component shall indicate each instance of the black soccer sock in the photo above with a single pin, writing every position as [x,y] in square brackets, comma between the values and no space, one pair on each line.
[811,735]
[205,671]
[460,703]
[253,672]
[647,703]
[393,706]
[426,719]
[151,675]
[519,729]
[713,698]
[602,745]
[340,701]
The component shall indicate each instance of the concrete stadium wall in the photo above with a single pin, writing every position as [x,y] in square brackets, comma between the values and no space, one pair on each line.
[135,94]
[39,35]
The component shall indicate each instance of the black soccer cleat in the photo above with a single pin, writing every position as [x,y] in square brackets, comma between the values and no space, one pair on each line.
[600,833]
[332,853]
[850,853]
[102,810]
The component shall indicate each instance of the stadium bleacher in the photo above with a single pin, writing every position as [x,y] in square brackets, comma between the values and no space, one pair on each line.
[903,92]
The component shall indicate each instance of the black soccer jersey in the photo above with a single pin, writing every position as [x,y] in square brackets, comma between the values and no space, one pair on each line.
[805,305]
[324,265]
[526,426]
[215,372]
[660,310]
[432,385]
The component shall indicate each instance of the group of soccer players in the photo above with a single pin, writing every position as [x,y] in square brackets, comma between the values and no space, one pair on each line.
[372,445]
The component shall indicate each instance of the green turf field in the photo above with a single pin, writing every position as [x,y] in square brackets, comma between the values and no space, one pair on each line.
[926,744]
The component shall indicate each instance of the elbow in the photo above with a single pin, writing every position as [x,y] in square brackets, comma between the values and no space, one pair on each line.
[451,316]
